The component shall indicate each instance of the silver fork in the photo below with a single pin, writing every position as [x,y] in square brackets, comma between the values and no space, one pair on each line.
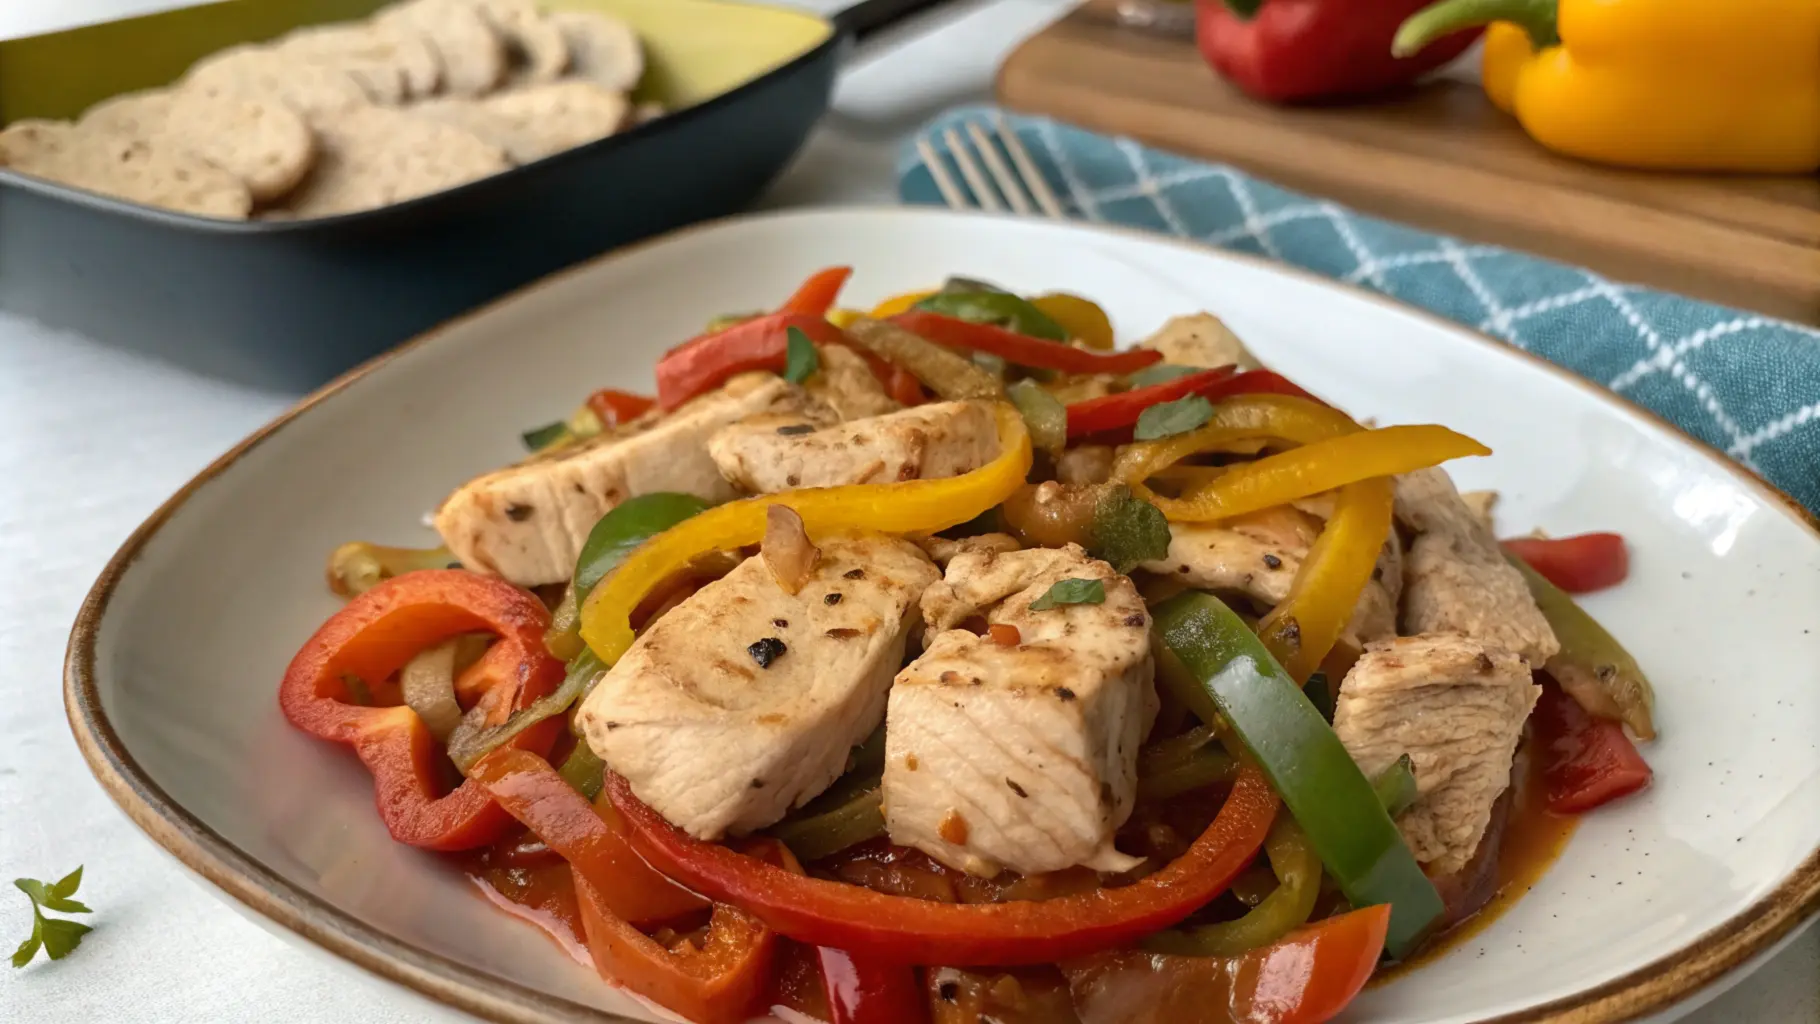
[1025,190]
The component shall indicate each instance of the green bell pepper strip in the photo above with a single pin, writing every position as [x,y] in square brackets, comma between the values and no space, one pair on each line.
[1000,309]
[850,812]
[1592,666]
[1298,871]
[623,528]
[1046,417]
[1298,751]
[1182,764]
[584,770]
[1396,786]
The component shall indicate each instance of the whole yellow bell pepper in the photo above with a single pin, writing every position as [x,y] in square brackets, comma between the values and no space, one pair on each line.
[1693,85]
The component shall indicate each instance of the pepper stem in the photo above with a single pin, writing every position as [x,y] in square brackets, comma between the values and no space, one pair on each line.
[1244,8]
[1536,17]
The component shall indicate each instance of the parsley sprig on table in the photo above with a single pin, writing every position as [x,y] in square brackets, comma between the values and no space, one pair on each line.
[56,936]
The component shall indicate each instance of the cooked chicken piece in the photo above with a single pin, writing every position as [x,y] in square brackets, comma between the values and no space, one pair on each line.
[1083,386]
[927,442]
[848,386]
[1259,554]
[1021,757]
[1457,708]
[943,550]
[743,701]
[1455,579]
[528,522]
[1087,464]
[1200,340]
[1482,504]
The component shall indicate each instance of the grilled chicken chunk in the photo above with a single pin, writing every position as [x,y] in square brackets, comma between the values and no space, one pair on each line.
[1259,554]
[1456,579]
[927,442]
[743,701]
[1457,708]
[528,522]
[1200,339]
[943,550]
[1021,757]
[847,385]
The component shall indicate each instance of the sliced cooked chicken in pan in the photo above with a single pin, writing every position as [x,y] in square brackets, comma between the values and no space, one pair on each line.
[528,522]
[744,700]
[928,442]
[1019,752]
[1457,708]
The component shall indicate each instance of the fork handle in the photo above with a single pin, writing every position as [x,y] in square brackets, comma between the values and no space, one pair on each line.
[869,16]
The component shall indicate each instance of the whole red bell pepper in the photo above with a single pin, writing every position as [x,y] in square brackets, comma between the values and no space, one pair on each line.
[1298,50]
[1578,565]
[371,638]
[1586,761]
[904,929]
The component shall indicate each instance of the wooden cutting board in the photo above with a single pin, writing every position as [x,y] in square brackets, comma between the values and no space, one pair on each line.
[1442,158]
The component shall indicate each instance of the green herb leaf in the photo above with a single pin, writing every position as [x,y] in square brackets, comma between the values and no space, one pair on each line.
[1127,530]
[1071,591]
[56,937]
[800,358]
[1167,419]
[1159,373]
[538,438]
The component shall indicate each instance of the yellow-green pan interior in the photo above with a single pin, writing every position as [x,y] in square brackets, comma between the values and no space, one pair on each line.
[695,49]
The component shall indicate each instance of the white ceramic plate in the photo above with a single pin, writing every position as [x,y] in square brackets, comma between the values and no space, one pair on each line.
[174,663]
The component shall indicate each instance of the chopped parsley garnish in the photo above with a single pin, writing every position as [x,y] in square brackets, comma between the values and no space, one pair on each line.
[56,937]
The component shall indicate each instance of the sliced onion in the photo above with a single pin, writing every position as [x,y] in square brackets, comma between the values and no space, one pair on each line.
[787,550]
[428,681]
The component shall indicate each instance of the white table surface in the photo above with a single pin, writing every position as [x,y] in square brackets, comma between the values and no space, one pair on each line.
[92,439]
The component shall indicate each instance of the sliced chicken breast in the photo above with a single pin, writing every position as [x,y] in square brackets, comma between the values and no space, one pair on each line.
[1457,708]
[848,386]
[1259,554]
[1456,579]
[1200,339]
[743,701]
[1021,757]
[528,522]
[927,442]
[943,550]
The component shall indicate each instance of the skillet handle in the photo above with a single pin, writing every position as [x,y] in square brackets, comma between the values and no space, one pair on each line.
[869,16]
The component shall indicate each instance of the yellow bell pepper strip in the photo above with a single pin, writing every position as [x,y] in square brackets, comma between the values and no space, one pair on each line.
[1692,85]
[898,304]
[1243,418]
[1313,468]
[910,507]
[1083,320]
[1302,628]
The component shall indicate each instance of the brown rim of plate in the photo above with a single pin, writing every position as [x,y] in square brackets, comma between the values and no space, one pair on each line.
[1652,987]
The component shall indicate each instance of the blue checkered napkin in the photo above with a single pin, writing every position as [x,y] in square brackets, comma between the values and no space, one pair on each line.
[1747,384]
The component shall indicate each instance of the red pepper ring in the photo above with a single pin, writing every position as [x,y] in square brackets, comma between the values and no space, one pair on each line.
[371,638]
[903,929]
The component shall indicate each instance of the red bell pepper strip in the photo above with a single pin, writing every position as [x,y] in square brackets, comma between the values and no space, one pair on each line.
[816,295]
[1114,415]
[1292,50]
[865,991]
[1578,565]
[719,983]
[531,791]
[1022,349]
[908,930]
[616,407]
[1308,977]
[1586,761]
[371,638]
[704,363]
[901,384]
